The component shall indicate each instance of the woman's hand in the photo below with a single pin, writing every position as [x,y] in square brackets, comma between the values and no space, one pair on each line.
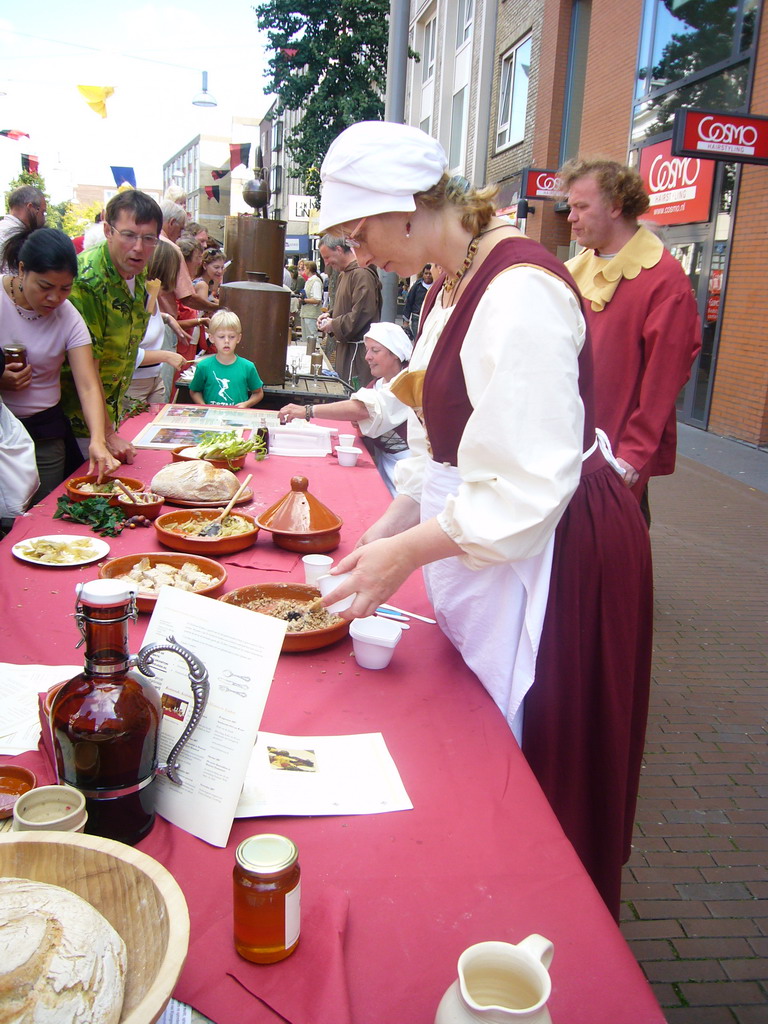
[16,380]
[120,448]
[101,460]
[292,412]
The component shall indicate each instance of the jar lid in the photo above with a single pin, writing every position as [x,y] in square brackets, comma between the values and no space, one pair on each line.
[105,592]
[266,853]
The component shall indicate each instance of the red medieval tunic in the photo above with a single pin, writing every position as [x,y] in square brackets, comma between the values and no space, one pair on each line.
[645,335]
[585,714]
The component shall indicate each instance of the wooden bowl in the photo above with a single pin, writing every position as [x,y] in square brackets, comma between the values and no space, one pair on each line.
[312,639]
[14,782]
[145,599]
[135,893]
[151,508]
[74,492]
[231,464]
[204,545]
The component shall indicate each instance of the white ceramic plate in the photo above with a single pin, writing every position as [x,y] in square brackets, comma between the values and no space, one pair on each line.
[96,548]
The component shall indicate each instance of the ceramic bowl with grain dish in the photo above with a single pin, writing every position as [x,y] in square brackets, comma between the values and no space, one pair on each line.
[147,504]
[307,631]
[181,531]
[154,569]
[81,487]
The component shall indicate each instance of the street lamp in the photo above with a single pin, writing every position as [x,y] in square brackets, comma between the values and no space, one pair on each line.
[204,98]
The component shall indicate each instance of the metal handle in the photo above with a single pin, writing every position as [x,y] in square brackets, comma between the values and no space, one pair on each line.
[198,680]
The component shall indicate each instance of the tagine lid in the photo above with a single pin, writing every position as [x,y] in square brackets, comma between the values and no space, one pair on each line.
[299,512]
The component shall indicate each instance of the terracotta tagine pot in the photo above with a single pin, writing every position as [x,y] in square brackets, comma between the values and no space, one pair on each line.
[300,522]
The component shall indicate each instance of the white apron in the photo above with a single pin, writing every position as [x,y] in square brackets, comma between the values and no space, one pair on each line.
[493,616]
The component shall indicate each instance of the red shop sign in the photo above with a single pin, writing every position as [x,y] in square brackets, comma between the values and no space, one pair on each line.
[680,188]
[715,135]
[539,183]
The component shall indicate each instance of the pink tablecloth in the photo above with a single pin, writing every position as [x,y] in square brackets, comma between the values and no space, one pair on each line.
[389,900]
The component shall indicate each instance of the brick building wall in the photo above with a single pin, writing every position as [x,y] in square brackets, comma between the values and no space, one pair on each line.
[740,392]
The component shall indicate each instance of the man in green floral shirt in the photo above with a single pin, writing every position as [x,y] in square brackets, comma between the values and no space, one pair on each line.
[111,296]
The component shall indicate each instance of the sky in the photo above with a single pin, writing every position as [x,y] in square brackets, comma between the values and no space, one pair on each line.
[153,55]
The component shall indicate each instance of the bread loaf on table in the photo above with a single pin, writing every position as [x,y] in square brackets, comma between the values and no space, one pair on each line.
[61,962]
[197,480]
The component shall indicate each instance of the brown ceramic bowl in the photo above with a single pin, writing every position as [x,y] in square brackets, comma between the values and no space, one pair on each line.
[151,507]
[231,464]
[14,782]
[312,639]
[204,545]
[145,599]
[75,492]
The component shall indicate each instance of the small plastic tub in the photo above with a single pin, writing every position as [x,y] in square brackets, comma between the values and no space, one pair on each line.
[374,641]
[325,584]
[347,440]
[348,456]
[50,808]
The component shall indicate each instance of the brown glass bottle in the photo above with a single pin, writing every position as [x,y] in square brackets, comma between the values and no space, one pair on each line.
[267,898]
[105,721]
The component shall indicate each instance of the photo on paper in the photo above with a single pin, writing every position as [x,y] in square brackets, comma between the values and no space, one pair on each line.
[292,760]
[173,706]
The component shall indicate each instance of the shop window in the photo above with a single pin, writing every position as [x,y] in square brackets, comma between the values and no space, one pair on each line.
[513,94]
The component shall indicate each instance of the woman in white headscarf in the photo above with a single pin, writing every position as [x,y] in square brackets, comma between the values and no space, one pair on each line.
[536,562]
[376,412]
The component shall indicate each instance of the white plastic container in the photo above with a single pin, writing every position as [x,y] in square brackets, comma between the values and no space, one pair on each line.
[347,440]
[348,456]
[315,566]
[325,584]
[374,641]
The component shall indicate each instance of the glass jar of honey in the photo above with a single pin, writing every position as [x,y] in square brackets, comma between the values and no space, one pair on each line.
[15,355]
[267,898]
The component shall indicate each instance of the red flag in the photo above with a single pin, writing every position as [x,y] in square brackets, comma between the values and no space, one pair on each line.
[12,133]
[29,163]
[288,52]
[219,174]
[238,154]
[213,192]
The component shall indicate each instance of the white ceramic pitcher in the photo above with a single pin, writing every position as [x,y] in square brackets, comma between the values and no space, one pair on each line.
[500,983]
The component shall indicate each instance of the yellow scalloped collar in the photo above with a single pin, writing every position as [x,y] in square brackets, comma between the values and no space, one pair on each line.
[599,278]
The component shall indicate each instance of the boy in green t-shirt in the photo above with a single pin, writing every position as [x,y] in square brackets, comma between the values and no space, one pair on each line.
[226,378]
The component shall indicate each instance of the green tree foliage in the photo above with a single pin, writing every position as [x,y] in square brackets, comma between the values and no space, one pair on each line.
[26,178]
[330,61]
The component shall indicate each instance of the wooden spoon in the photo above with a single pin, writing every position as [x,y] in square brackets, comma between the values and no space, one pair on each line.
[135,498]
[214,527]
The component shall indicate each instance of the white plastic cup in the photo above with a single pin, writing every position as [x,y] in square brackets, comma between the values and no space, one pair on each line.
[315,566]
[326,584]
[348,456]
[50,808]
[347,440]
[374,641]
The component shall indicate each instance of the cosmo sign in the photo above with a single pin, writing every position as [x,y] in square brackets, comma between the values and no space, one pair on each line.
[539,183]
[680,188]
[716,135]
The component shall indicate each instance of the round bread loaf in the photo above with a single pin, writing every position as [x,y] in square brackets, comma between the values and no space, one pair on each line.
[61,962]
[195,481]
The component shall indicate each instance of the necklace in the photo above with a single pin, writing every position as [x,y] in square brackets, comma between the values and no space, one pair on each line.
[472,248]
[20,309]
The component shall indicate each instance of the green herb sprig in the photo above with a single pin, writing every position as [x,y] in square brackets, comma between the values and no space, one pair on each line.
[227,445]
[94,512]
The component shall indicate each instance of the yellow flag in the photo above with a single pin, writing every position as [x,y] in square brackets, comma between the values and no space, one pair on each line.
[96,97]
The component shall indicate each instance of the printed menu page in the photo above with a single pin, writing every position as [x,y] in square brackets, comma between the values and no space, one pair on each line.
[240,649]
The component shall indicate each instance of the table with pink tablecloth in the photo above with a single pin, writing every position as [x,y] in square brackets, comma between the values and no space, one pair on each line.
[389,901]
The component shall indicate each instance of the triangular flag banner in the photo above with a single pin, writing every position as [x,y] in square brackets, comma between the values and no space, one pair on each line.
[12,133]
[219,174]
[29,163]
[288,52]
[238,154]
[96,97]
[213,192]
[123,176]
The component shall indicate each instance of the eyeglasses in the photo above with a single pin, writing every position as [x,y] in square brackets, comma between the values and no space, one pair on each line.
[129,237]
[349,241]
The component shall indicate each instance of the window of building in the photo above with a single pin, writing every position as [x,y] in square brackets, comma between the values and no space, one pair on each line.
[513,94]
[277,136]
[464,18]
[693,53]
[429,51]
[458,128]
[275,178]
[573,107]
[425,125]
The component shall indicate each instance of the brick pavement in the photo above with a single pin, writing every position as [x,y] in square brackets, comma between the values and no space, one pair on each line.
[694,910]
